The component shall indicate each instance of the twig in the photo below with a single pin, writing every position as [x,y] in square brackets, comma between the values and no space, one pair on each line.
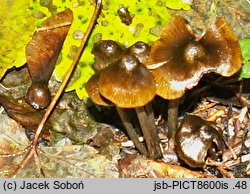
[69,73]
[32,148]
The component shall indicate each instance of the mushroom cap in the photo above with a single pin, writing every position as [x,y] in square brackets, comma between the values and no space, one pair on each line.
[92,88]
[128,83]
[106,52]
[179,58]
[194,138]
[140,50]
[44,48]
[223,49]
[38,95]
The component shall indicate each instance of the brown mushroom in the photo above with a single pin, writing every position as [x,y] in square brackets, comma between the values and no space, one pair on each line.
[92,88]
[42,52]
[180,57]
[128,84]
[194,138]
[140,50]
[106,52]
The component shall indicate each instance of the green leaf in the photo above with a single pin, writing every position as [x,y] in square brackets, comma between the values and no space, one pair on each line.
[145,26]
[110,27]
[177,5]
[17,26]
[25,16]
[245,49]
[245,71]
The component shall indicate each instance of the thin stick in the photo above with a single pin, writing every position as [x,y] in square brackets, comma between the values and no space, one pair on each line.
[25,159]
[69,73]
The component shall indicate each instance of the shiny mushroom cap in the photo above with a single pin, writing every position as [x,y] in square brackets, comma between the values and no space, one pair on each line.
[38,95]
[128,83]
[140,50]
[92,88]
[194,138]
[106,52]
[179,58]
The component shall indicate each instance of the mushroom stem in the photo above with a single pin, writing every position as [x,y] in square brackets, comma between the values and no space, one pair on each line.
[151,121]
[149,131]
[131,132]
[173,106]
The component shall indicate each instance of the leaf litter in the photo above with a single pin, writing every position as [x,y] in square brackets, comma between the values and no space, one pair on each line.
[63,158]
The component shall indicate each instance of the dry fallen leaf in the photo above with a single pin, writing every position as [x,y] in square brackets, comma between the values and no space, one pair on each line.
[139,166]
[42,53]
[46,43]
[64,160]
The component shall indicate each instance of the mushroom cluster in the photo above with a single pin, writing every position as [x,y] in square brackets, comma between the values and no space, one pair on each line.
[177,62]
[123,81]
[181,57]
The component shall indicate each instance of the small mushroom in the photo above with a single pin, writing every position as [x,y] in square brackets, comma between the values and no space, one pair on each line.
[42,52]
[180,57]
[129,84]
[106,52]
[92,88]
[140,50]
[194,138]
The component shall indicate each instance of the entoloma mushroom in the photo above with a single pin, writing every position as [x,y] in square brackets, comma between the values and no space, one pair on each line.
[108,52]
[42,52]
[92,88]
[180,57]
[194,138]
[140,50]
[129,84]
